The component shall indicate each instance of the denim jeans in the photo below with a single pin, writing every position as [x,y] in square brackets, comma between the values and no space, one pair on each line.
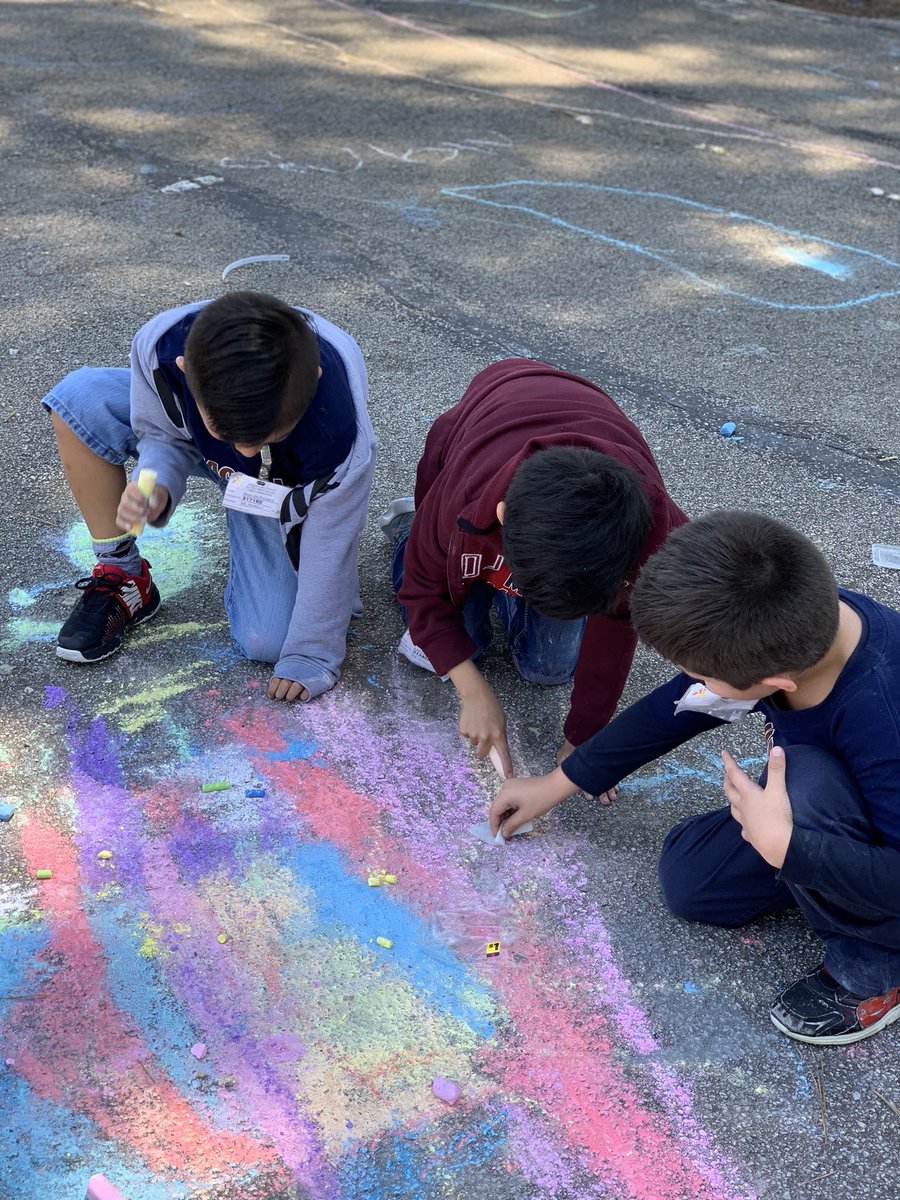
[544,649]
[709,873]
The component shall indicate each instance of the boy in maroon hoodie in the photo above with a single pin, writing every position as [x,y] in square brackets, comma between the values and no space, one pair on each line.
[537,496]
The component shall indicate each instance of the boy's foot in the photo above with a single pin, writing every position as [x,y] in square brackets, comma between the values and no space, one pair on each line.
[816,1009]
[113,601]
[417,657]
[397,518]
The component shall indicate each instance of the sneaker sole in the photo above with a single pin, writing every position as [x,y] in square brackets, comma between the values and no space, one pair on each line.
[77,656]
[839,1039]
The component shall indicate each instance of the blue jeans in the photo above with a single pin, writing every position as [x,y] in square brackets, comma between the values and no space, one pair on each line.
[709,873]
[262,584]
[544,649]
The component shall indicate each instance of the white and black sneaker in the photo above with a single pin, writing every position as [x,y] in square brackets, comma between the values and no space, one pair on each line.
[397,518]
[410,651]
[113,601]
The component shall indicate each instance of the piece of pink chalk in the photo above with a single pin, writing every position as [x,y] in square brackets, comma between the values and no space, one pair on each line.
[99,1188]
[446,1089]
[198,1050]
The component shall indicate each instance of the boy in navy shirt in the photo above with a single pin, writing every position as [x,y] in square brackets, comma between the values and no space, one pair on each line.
[749,611]
[269,403]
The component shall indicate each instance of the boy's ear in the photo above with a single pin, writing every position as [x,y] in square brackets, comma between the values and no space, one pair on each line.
[783,683]
[501,511]
[179,363]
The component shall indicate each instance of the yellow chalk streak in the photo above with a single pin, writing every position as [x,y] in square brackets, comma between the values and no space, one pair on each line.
[135,712]
[149,633]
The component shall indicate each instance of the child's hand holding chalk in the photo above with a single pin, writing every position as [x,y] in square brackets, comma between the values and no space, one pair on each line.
[142,501]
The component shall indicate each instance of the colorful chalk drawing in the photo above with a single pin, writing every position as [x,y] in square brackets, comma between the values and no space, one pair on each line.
[248,924]
[714,248]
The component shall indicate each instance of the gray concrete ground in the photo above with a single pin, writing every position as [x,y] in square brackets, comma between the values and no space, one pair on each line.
[676,199]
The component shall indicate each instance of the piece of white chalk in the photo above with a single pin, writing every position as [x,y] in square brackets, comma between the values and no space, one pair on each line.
[99,1188]
[494,756]
[482,831]
[146,482]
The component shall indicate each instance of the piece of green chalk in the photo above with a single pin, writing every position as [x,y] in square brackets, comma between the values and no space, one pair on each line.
[222,786]
[43,874]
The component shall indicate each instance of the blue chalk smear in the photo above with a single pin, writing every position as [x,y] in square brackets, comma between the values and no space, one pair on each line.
[815,262]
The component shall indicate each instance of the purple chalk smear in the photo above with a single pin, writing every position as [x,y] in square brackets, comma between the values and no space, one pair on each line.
[99,1188]
[446,1089]
[198,1050]
[283,1047]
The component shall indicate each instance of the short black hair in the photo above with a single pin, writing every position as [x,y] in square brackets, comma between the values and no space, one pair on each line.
[252,363]
[737,596]
[576,521]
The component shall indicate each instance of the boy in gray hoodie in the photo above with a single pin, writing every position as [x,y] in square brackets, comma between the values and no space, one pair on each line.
[269,402]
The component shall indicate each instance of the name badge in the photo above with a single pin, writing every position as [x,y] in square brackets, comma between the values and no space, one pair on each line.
[700,699]
[259,497]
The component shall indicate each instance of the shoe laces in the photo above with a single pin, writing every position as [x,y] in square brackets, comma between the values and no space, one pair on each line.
[96,586]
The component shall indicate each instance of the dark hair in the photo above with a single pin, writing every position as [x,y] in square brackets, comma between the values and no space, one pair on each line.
[575,524]
[737,596]
[252,362]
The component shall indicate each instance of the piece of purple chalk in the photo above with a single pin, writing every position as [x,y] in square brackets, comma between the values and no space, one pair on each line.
[198,1050]
[446,1089]
[99,1188]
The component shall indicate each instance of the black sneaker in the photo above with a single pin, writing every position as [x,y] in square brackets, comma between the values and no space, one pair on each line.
[816,1009]
[113,601]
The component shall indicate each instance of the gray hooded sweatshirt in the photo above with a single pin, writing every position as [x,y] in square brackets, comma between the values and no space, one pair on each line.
[322,522]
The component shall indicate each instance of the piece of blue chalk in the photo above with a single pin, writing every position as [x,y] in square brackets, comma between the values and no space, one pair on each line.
[255,792]
[729,429]
[7,811]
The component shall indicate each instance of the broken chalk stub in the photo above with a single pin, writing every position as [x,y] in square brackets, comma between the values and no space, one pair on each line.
[374,881]
[43,874]
[221,785]
[494,756]
[446,1089]
[482,831]
[386,943]
[7,812]
[106,855]
[99,1188]
[253,793]
[199,1050]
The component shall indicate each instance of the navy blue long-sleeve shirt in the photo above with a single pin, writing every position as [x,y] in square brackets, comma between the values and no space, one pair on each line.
[858,723]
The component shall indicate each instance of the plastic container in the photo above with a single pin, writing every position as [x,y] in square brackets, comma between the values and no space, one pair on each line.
[886,556]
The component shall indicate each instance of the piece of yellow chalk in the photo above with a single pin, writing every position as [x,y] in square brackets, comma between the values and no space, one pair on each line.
[105,854]
[389,878]
[222,939]
[374,881]
[146,482]
[385,942]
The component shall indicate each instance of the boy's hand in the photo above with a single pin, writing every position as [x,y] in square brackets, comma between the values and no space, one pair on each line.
[764,814]
[135,509]
[286,689]
[482,720]
[521,800]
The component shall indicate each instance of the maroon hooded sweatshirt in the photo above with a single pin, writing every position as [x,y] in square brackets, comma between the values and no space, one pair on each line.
[509,410]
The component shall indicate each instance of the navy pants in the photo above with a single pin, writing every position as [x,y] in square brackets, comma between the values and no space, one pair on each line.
[544,649]
[709,873]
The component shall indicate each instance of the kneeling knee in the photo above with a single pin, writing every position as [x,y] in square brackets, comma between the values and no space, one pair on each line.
[257,645]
